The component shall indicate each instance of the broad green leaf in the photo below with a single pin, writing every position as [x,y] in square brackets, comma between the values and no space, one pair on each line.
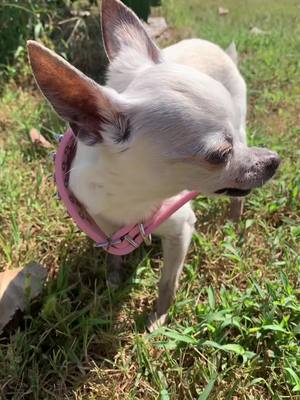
[234,348]
[231,347]
[179,337]
[170,345]
[248,355]
[293,375]
[277,328]
[210,343]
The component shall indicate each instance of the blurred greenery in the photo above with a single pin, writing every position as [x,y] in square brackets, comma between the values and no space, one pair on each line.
[69,25]
[20,20]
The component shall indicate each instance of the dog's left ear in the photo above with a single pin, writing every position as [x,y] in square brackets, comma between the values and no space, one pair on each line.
[232,52]
[122,29]
[96,114]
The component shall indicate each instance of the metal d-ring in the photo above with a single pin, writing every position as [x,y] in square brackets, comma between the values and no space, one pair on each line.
[146,238]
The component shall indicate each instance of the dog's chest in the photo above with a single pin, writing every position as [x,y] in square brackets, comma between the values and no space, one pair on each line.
[113,194]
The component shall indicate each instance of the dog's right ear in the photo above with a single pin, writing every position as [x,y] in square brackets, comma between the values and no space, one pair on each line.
[232,52]
[87,106]
[121,28]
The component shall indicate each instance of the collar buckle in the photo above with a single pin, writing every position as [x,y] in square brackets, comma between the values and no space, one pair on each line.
[108,243]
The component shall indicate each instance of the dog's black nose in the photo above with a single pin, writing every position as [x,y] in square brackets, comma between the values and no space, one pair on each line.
[272,163]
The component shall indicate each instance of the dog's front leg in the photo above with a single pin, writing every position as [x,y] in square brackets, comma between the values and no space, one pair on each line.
[236,209]
[115,271]
[175,248]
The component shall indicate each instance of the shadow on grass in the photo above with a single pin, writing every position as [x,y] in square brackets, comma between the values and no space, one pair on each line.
[50,350]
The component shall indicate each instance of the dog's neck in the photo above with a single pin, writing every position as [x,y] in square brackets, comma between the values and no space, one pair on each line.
[116,188]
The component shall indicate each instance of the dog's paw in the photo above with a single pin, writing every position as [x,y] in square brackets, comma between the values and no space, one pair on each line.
[155,321]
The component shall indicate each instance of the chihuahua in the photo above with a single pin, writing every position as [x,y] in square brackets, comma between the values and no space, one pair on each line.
[167,121]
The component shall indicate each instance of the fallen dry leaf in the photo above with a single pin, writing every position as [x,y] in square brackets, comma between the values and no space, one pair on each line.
[17,287]
[37,138]
[156,26]
[223,11]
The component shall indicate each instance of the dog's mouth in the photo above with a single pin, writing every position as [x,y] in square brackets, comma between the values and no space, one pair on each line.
[233,192]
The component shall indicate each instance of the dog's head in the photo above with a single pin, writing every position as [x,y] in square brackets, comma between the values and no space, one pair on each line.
[170,117]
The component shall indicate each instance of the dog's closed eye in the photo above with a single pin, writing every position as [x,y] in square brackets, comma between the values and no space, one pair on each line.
[220,155]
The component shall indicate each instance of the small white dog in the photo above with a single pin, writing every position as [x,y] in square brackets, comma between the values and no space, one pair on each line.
[167,121]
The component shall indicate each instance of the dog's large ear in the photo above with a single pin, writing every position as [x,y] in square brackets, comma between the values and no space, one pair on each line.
[232,52]
[76,98]
[121,28]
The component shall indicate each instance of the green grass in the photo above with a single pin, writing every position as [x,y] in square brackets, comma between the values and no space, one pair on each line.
[234,330]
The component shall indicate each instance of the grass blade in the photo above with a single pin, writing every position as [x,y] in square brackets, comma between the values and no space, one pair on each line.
[208,389]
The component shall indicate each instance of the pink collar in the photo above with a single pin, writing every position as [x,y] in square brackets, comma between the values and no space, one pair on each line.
[126,239]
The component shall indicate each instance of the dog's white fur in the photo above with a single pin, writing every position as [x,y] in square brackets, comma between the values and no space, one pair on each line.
[210,59]
[132,176]
[101,175]
[182,104]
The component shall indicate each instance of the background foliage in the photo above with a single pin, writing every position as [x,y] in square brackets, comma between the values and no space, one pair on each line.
[70,25]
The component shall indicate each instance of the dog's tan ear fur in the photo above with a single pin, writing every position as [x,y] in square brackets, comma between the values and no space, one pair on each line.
[232,52]
[76,98]
[122,28]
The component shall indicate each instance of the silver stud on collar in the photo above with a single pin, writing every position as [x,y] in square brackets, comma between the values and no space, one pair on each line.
[131,241]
